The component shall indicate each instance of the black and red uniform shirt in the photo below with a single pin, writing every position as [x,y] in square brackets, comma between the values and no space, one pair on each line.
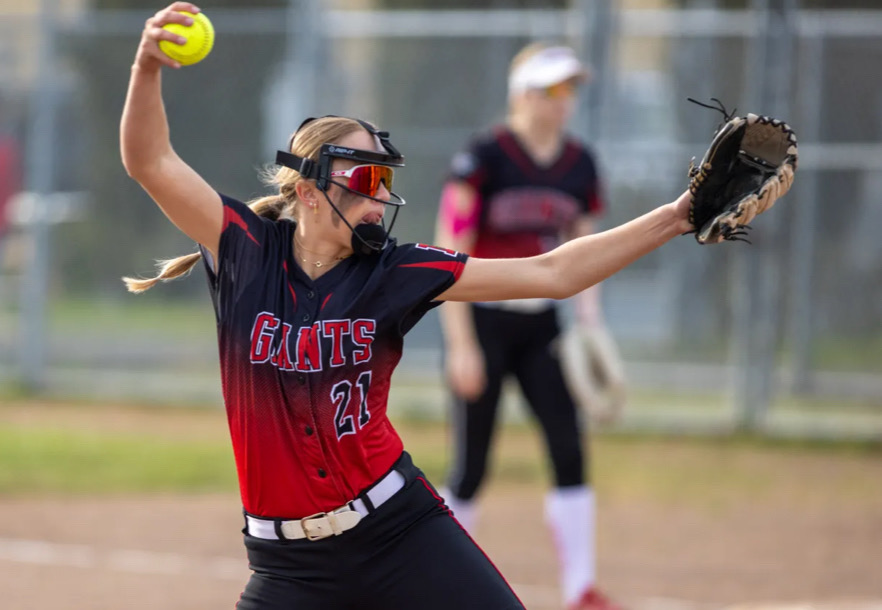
[306,364]
[524,207]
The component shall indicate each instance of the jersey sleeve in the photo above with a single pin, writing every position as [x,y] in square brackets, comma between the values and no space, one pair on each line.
[469,166]
[476,164]
[247,244]
[415,275]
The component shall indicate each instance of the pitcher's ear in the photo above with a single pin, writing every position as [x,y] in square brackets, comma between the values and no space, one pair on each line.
[306,191]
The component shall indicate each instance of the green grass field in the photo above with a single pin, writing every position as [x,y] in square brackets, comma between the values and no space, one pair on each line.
[154,315]
[63,461]
[58,448]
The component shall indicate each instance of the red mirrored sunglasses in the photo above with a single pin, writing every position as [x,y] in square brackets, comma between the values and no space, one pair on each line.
[366,179]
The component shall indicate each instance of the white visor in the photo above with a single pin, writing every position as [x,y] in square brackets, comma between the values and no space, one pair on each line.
[547,67]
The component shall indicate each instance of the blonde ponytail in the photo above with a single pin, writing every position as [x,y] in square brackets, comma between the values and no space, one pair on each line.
[168,270]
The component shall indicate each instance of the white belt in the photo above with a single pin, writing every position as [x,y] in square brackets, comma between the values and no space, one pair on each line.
[534,305]
[333,523]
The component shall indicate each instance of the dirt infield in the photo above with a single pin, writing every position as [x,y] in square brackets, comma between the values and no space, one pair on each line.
[185,553]
[793,551]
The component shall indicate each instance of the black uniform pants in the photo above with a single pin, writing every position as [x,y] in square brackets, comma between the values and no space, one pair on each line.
[523,345]
[409,554]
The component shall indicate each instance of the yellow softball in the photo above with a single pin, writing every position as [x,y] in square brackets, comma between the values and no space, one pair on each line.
[200,40]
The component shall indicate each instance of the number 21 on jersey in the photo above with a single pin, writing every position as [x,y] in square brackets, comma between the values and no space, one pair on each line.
[342,395]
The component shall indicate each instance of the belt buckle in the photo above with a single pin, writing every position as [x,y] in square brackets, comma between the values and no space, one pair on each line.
[314,536]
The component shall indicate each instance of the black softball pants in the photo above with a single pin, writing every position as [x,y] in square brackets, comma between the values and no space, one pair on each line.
[408,555]
[523,345]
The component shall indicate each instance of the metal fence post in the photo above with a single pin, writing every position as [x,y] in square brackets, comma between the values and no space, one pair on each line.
[39,176]
[758,269]
[599,19]
[803,246]
[302,59]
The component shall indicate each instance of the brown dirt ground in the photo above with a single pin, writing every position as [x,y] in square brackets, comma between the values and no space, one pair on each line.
[653,555]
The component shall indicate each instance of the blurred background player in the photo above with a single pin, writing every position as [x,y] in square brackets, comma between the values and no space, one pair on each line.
[518,190]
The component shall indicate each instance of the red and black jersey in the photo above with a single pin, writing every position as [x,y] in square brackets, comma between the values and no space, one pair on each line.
[524,207]
[306,364]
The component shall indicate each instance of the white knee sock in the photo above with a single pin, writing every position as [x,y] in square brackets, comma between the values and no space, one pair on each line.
[464,511]
[570,513]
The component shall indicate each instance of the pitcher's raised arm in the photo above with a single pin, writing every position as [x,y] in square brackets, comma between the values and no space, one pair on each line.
[145,144]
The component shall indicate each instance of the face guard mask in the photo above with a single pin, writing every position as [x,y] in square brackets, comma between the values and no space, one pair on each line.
[364,180]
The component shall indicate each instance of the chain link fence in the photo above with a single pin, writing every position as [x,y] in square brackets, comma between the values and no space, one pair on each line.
[782,336]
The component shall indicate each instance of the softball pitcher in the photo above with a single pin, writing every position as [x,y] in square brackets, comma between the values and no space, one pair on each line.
[312,300]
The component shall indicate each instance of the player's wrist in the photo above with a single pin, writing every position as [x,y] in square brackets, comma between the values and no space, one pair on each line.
[677,217]
[146,65]
[462,345]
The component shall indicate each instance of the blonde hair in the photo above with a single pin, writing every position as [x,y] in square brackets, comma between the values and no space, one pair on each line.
[306,142]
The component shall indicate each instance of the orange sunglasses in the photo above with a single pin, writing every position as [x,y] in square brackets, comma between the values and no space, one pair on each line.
[565,88]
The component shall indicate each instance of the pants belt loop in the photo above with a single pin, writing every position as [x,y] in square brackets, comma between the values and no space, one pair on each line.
[277,524]
[367,503]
